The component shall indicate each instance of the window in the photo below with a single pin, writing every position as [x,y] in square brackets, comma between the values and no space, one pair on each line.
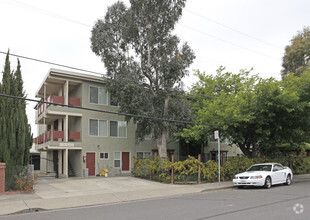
[104,156]
[118,129]
[98,128]
[98,95]
[277,167]
[143,155]
[117,159]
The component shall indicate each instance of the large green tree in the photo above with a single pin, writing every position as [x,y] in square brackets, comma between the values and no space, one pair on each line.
[15,132]
[145,63]
[296,58]
[258,115]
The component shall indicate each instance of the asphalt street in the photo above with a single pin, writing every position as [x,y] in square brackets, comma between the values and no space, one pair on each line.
[279,202]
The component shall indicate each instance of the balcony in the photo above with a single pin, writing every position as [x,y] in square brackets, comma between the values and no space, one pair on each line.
[56,136]
[57,100]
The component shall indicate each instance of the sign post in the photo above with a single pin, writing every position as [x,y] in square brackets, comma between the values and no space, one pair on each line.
[216,136]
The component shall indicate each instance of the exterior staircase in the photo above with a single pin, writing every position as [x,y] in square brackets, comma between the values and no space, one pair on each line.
[71,172]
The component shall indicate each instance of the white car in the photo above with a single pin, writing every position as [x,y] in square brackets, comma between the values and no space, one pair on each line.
[265,174]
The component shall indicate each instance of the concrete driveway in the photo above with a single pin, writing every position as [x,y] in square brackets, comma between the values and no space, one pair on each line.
[50,193]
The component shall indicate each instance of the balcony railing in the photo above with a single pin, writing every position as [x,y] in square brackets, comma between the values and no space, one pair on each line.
[75,101]
[56,136]
[74,135]
[57,100]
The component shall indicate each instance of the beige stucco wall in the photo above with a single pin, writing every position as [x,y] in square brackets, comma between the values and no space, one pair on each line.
[232,150]
[46,162]
[94,144]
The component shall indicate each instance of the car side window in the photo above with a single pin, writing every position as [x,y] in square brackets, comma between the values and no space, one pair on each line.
[277,168]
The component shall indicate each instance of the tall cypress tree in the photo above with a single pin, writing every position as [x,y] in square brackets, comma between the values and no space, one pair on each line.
[6,107]
[23,131]
[15,132]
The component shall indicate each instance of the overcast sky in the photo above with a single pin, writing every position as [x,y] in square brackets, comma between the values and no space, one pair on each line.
[238,34]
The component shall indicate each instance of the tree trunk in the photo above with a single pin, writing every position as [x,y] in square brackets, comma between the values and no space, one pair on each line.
[245,150]
[162,139]
[162,144]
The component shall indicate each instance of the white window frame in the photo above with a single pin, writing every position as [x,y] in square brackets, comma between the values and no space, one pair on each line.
[98,132]
[107,96]
[104,153]
[118,127]
[120,159]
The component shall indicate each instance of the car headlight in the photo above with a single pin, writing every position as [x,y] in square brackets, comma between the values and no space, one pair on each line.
[256,177]
[236,177]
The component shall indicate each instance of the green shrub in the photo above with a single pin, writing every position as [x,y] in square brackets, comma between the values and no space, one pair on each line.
[210,171]
[237,165]
[300,165]
[187,170]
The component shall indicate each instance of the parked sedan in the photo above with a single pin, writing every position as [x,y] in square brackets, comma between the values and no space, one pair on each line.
[265,174]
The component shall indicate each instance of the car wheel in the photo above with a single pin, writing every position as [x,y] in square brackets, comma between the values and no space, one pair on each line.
[288,180]
[267,182]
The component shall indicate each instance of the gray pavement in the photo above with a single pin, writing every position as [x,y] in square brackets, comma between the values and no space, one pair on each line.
[52,194]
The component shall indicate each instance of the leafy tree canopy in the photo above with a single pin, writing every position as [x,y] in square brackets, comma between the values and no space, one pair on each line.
[145,63]
[258,115]
[297,55]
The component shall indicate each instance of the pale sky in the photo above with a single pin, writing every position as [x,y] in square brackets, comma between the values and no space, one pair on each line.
[238,34]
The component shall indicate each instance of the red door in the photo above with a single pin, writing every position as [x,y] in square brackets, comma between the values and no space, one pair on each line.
[90,163]
[125,161]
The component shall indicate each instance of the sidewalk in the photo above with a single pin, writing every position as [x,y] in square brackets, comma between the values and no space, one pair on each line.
[76,192]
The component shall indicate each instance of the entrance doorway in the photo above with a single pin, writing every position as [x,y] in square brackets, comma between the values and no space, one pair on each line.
[125,161]
[90,163]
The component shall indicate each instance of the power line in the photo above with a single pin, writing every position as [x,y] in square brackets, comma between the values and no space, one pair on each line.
[107,112]
[45,12]
[209,35]
[227,42]
[232,29]
[88,71]
[56,64]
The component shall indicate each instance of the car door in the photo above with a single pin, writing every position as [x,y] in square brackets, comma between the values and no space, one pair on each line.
[278,174]
[282,174]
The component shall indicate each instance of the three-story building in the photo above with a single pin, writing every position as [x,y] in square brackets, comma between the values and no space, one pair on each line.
[86,134]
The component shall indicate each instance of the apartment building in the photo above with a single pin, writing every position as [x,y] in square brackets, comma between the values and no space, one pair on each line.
[85,135]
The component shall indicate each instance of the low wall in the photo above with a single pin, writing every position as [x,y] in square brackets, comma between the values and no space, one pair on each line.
[2,178]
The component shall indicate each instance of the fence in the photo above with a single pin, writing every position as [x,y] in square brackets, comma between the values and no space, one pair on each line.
[193,170]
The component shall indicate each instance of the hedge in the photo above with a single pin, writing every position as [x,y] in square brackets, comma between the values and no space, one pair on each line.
[187,170]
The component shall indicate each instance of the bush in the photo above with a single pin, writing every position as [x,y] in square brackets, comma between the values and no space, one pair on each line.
[21,180]
[300,165]
[210,171]
[237,165]
[187,170]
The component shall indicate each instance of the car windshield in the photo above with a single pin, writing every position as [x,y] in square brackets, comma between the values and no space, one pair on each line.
[260,168]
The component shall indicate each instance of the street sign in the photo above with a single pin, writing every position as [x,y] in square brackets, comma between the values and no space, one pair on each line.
[216,134]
